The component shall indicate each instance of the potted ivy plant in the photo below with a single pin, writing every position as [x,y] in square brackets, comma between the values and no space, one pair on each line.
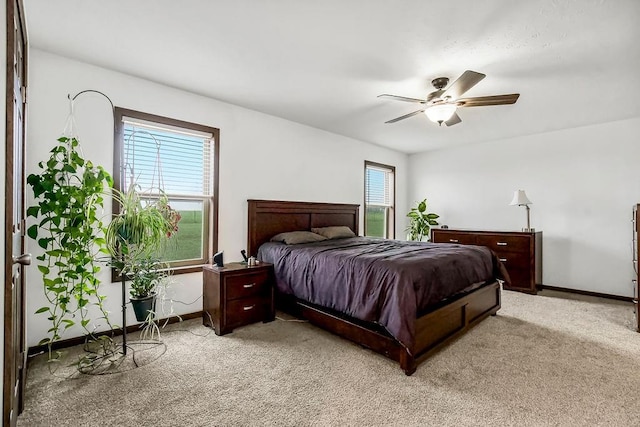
[68,199]
[135,237]
[420,222]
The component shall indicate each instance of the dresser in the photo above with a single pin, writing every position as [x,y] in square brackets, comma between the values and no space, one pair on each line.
[520,252]
[237,295]
[636,250]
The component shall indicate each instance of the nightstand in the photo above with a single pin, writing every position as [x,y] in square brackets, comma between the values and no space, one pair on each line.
[237,295]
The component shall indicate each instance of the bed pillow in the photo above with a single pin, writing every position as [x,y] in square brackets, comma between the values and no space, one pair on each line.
[338,232]
[297,237]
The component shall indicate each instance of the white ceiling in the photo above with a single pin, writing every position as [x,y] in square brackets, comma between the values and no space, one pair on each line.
[322,63]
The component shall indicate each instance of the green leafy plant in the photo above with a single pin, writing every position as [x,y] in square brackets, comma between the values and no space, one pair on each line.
[149,280]
[147,275]
[69,195]
[141,229]
[135,238]
[420,221]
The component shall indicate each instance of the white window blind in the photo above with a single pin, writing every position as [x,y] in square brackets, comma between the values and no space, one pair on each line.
[379,200]
[178,161]
[378,184]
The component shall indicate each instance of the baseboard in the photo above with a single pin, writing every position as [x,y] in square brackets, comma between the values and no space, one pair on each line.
[589,293]
[70,342]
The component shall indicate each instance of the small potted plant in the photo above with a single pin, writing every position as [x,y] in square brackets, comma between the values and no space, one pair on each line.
[420,222]
[147,276]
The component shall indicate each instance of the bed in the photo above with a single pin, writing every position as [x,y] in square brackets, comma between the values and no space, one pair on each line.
[431,327]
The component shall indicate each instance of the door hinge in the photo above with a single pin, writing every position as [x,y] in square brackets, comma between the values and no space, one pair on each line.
[23,94]
[23,226]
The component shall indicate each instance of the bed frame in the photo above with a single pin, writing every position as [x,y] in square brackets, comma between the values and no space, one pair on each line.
[434,329]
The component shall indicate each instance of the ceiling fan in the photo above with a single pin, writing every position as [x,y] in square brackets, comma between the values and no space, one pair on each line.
[441,104]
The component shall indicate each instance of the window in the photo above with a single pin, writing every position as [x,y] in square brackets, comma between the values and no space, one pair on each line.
[379,200]
[157,153]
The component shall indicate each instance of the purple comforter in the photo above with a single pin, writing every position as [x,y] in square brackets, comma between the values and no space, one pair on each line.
[377,280]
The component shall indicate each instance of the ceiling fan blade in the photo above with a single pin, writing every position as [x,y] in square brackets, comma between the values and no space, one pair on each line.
[466,81]
[454,120]
[406,116]
[402,98]
[481,101]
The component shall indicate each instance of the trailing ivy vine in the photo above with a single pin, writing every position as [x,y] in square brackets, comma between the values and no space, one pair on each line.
[69,195]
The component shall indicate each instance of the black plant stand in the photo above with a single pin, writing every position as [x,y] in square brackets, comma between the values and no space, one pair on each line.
[123,281]
[123,278]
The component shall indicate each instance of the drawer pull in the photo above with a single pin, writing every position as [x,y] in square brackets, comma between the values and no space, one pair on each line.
[502,259]
[250,285]
[248,307]
[453,240]
[501,243]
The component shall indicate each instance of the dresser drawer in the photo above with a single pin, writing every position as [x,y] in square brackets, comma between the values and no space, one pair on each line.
[520,279]
[246,310]
[501,244]
[440,236]
[513,260]
[247,285]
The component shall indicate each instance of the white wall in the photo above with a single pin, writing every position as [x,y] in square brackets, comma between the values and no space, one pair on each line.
[583,183]
[261,156]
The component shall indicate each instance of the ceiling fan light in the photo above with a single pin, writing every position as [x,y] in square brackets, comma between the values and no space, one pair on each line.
[440,112]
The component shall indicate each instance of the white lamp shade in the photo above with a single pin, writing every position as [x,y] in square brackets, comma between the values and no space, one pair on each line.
[440,112]
[520,199]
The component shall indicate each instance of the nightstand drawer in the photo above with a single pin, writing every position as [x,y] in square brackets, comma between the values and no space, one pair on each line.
[247,285]
[246,310]
[505,243]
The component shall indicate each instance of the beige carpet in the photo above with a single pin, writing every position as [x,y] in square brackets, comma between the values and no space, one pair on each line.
[551,359]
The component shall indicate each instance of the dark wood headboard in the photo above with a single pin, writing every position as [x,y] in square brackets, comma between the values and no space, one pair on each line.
[270,217]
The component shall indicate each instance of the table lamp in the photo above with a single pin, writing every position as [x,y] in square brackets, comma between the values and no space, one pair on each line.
[521,199]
